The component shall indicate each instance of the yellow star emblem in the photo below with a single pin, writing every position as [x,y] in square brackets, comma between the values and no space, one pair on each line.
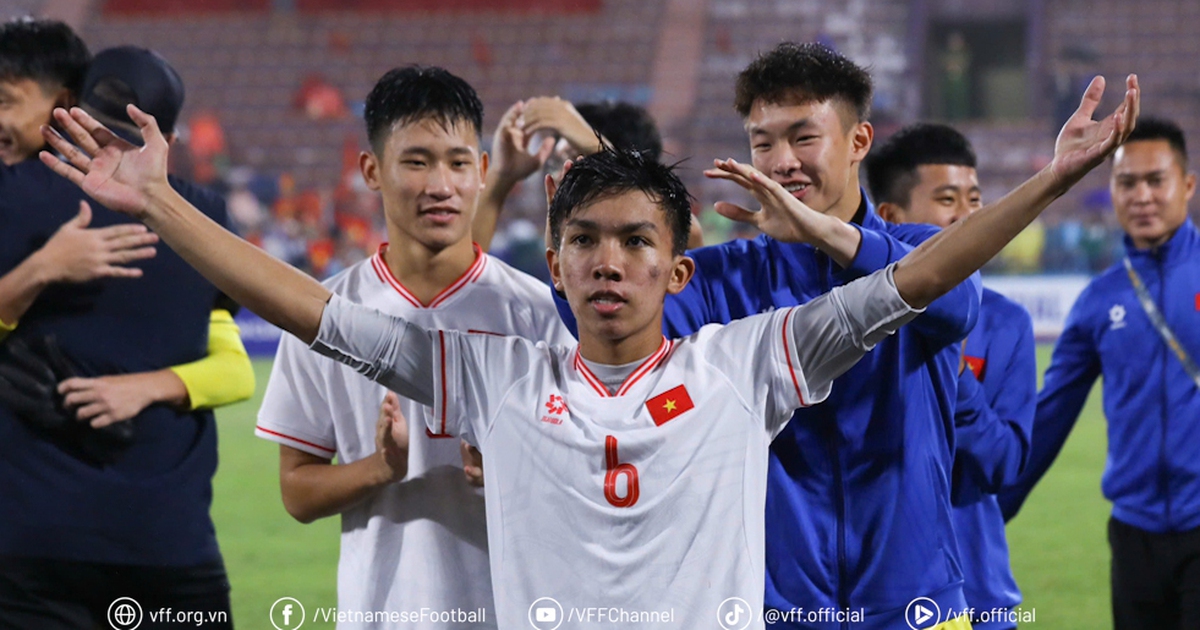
[670,405]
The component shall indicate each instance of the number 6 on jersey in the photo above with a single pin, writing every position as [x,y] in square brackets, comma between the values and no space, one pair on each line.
[614,469]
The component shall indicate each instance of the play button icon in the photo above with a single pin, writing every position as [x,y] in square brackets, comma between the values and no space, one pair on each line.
[921,613]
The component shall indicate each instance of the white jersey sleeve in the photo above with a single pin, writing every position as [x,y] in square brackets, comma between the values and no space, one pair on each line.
[386,349]
[461,376]
[798,352]
[295,407]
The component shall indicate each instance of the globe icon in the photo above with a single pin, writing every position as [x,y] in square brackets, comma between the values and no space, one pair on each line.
[125,614]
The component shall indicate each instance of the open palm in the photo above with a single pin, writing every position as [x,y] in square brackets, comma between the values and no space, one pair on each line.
[1084,143]
[114,172]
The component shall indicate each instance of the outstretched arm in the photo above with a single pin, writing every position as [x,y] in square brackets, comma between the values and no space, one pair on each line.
[948,258]
[133,180]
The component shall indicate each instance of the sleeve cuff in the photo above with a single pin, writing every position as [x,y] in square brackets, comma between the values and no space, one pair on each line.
[874,253]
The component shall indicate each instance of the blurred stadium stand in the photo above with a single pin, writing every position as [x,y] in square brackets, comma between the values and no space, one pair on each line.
[275,87]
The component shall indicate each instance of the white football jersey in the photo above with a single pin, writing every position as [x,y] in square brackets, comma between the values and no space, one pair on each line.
[420,543]
[645,506]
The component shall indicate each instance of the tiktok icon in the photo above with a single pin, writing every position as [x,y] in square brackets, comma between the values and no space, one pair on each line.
[734,614]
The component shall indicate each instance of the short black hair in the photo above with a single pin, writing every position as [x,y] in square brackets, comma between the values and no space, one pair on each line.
[625,125]
[405,95]
[1161,129]
[46,51]
[612,172]
[810,72]
[892,166]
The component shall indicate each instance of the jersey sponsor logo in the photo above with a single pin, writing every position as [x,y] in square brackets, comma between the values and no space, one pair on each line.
[1116,315]
[977,366]
[669,405]
[556,406]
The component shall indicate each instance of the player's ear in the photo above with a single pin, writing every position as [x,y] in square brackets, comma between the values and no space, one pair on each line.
[484,163]
[681,274]
[890,212]
[861,138]
[369,165]
[1189,186]
[552,261]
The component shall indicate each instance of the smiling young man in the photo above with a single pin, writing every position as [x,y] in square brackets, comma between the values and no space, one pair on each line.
[628,472]
[858,500]
[925,173]
[406,509]
[1151,386]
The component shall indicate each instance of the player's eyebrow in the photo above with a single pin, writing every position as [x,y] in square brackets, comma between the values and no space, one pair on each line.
[1145,174]
[953,188]
[756,130]
[428,153]
[625,228]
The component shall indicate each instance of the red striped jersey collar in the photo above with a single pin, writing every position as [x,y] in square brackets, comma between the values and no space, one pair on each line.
[470,275]
[647,366]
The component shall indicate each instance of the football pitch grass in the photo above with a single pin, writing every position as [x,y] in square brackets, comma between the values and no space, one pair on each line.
[1059,551]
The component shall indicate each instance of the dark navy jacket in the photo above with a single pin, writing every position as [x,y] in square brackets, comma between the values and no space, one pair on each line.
[993,424]
[858,499]
[1152,474]
[151,506]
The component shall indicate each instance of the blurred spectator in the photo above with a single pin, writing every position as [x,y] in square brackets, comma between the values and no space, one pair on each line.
[320,100]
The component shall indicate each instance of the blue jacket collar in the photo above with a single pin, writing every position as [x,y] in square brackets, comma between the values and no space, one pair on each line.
[1182,245]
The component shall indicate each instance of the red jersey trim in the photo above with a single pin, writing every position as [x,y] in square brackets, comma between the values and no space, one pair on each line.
[296,440]
[645,368]
[787,351]
[470,275]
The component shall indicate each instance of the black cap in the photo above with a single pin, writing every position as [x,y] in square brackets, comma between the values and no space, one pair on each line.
[129,74]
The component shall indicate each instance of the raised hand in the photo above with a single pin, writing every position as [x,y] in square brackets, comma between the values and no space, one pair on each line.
[551,113]
[114,172]
[1084,143]
[783,217]
[511,144]
[391,439]
[77,253]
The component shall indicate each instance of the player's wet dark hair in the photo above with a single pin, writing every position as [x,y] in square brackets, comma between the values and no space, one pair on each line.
[804,73]
[612,172]
[46,51]
[1162,129]
[892,166]
[406,95]
[625,125]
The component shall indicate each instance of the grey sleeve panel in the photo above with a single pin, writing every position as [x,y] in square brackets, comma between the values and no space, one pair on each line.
[388,350]
[834,331]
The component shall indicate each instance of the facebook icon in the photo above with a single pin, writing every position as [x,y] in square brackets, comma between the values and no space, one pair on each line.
[287,613]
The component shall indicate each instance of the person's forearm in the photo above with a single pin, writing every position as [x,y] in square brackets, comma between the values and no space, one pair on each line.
[225,375]
[271,288]
[487,211]
[164,387]
[20,287]
[838,239]
[319,489]
[951,256]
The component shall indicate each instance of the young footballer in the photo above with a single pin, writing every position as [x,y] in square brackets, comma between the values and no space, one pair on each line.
[627,470]
[406,509]
[925,173]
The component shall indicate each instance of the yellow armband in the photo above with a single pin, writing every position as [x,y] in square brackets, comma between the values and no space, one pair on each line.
[224,376]
[5,329]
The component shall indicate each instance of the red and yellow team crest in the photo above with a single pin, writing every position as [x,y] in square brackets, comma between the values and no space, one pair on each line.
[669,405]
[977,366]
